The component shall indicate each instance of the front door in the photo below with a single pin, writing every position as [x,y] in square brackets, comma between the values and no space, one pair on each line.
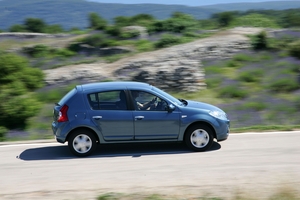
[154,125]
[152,121]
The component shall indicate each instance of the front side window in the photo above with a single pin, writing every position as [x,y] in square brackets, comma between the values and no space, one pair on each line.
[147,101]
[108,100]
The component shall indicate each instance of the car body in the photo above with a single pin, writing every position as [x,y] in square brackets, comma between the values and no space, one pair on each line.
[130,112]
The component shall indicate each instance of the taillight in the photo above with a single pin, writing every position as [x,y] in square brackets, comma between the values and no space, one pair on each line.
[62,115]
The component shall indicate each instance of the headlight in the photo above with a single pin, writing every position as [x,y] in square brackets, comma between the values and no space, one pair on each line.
[218,114]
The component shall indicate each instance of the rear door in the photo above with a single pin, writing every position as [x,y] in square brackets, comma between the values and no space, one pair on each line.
[115,122]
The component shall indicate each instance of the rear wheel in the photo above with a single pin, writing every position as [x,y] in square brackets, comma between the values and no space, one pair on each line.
[199,137]
[82,142]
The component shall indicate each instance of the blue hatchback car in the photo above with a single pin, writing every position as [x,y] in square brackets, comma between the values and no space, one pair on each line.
[130,112]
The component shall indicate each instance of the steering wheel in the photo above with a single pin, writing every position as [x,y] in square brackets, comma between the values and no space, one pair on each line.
[154,104]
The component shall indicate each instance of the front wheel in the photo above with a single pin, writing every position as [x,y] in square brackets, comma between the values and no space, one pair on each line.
[199,137]
[82,142]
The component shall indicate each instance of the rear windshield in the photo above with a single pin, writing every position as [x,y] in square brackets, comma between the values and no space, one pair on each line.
[67,97]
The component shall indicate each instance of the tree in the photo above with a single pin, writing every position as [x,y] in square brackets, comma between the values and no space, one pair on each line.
[291,19]
[17,80]
[260,41]
[224,18]
[35,25]
[96,21]
[52,29]
[122,21]
[17,28]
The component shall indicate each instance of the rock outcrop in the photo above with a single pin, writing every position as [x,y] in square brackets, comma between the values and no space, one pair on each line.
[175,68]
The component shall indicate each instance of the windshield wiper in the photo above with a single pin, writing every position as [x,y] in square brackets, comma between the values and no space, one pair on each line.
[183,101]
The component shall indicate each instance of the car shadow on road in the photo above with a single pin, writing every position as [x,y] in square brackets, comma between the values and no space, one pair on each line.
[112,150]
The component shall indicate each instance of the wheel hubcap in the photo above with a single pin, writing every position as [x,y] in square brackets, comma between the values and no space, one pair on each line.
[82,143]
[199,138]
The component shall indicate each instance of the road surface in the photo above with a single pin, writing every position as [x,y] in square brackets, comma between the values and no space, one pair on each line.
[251,164]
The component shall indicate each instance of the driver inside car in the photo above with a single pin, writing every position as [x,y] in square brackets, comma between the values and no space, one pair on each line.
[150,105]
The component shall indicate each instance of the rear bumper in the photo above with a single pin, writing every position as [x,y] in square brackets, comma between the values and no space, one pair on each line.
[57,132]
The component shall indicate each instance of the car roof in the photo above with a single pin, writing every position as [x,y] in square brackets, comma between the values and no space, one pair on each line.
[116,85]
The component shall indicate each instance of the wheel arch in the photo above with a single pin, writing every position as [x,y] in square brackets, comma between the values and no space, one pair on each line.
[84,128]
[201,123]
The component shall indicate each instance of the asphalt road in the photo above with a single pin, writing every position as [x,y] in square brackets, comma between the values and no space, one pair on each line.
[252,164]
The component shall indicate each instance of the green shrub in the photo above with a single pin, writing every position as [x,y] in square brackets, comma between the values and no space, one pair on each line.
[283,85]
[37,51]
[65,53]
[214,82]
[214,69]
[17,28]
[17,80]
[294,49]
[254,20]
[96,40]
[129,34]
[242,58]
[233,64]
[51,96]
[144,45]
[167,41]
[3,132]
[260,41]
[232,92]
[258,106]
[251,75]
[114,31]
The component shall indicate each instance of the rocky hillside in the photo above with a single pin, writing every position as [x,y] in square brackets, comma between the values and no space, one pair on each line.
[177,67]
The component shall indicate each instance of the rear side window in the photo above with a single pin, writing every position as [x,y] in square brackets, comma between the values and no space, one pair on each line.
[109,100]
[67,97]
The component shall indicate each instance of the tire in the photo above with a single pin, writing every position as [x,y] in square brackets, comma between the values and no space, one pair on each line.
[199,138]
[82,142]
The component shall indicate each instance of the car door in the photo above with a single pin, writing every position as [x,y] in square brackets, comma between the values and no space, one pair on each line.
[111,116]
[154,123]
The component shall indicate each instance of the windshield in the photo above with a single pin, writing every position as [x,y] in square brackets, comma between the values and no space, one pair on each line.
[168,96]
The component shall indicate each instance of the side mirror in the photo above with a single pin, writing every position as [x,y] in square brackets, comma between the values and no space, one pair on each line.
[170,108]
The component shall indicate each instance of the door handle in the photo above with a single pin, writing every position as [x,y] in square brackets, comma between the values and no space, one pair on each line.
[97,117]
[139,117]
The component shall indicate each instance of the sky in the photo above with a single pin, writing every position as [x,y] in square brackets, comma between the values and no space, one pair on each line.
[182,2]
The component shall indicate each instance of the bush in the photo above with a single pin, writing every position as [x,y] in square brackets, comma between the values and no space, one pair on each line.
[258,106]
[251,75]
[233,64]
[129,34]
[167,41]
[17,79]
[114,31]
[260,41]
[17,28]
[243,58]
[214,82]
[255,20]
[3,132]
[37,51]
[96,40]
[283,85]
[144,45]
[232,92]
[294,49]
